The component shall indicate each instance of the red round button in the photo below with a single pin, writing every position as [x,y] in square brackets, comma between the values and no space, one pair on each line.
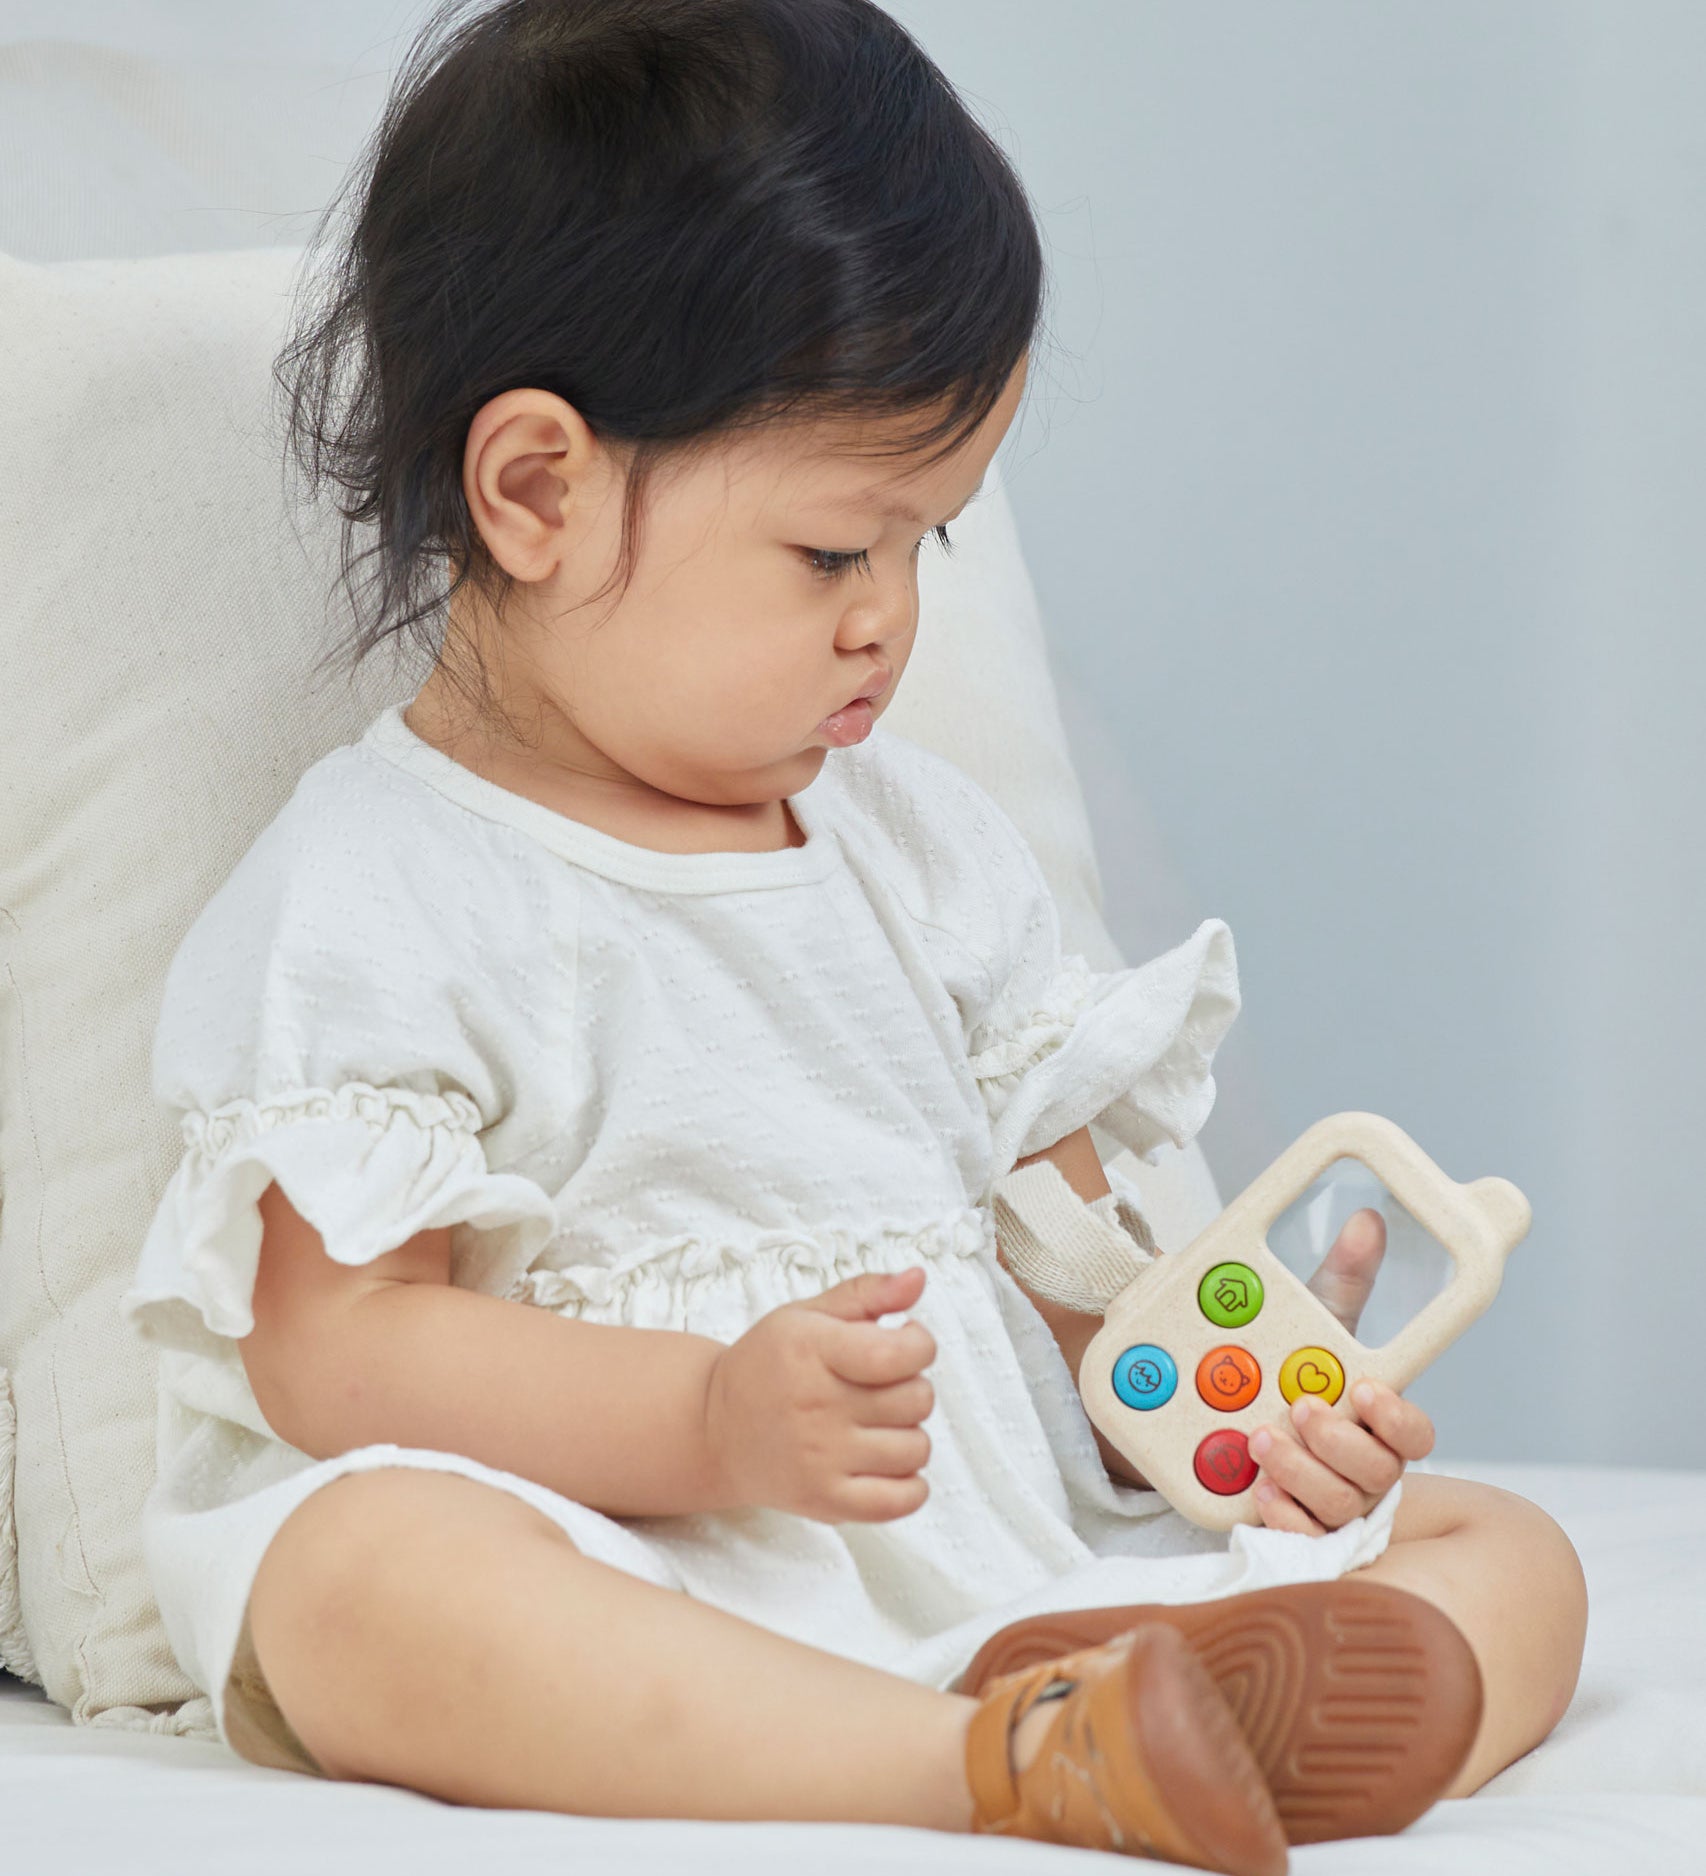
[1224,1464]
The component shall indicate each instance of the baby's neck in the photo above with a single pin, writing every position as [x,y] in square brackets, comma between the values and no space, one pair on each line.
[653,821]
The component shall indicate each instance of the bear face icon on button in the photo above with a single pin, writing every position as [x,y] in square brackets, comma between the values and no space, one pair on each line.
[1229,1378]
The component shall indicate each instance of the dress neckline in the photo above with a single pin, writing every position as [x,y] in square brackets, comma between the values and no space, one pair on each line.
[389,736]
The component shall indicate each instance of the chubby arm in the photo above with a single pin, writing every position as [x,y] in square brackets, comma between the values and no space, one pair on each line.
[344,1356]
[1081,1167]
[816,1409]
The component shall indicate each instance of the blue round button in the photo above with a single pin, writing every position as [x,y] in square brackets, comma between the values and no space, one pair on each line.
[1145,1376]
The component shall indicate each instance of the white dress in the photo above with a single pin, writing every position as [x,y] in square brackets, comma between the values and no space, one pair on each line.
[675,1091]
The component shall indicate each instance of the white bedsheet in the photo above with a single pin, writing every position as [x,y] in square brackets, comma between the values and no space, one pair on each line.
[1618,1790]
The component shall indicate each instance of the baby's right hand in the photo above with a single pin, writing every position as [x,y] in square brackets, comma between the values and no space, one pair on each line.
[817,1409]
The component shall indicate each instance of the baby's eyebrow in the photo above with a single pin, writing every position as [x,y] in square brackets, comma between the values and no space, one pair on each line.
[891,510]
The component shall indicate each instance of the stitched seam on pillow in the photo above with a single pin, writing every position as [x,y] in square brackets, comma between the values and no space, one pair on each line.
[47,1289]
[15,1651]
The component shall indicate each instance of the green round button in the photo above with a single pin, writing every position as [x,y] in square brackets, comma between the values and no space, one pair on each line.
[1231,1295]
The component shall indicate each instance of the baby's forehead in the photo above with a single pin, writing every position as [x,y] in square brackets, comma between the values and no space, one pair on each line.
[855,468]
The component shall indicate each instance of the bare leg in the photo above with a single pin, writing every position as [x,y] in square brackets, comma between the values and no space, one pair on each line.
[423,1629]
[1511,1581]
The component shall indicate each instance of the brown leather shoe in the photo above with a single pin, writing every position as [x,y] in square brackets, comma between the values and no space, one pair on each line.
[1143,1757]
[1359,1701]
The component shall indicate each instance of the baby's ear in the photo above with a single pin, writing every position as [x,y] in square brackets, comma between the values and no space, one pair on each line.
[532,474]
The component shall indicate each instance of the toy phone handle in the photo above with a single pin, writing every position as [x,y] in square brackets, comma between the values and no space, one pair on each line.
[1479,1224]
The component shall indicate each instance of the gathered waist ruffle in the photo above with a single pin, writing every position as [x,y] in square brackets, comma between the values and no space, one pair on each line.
[829,1254]
[214,1132]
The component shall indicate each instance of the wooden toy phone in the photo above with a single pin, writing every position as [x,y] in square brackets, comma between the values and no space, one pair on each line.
[1213,1342]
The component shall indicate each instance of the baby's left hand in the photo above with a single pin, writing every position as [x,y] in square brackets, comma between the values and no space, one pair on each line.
[1324,1468]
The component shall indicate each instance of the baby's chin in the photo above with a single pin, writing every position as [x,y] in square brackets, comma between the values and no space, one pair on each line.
[753,785]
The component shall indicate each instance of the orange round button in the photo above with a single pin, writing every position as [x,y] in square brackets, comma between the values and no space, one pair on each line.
[1229,1378]
[1312,1371]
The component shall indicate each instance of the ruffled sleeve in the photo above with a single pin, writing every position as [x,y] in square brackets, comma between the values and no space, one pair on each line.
[1058,1044]
[369,1168]
[352,1057]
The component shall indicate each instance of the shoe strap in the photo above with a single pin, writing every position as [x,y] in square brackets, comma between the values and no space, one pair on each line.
[989,1764]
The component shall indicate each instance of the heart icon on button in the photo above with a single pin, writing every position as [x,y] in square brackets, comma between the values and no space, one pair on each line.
[1314,1371]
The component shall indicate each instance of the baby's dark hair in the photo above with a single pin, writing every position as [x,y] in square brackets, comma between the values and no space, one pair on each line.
[684,217]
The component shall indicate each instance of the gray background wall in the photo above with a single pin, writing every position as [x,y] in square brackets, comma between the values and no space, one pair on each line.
[1361,484]
[1367,518]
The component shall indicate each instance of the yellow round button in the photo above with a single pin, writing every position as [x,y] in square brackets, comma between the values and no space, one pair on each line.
[1312,1371]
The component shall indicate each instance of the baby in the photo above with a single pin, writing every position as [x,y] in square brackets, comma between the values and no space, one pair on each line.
[590,1380]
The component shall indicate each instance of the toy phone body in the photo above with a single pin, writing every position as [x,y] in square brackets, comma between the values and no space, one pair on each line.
[1212,1342]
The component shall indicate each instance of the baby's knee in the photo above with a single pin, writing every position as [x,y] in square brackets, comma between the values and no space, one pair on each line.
[1547,1556]
[1513,1562]
[352,1567]
[345,1535]
[1558,1576]
[1543,1569]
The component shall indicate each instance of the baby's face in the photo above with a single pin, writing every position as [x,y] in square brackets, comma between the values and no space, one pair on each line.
[769,586]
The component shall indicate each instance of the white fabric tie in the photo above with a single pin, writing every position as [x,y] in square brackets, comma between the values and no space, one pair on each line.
[1078,1254]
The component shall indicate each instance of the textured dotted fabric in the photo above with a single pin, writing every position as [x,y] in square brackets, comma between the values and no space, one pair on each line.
[673,1091]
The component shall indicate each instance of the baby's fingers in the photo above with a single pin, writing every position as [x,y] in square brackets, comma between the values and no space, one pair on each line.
[906,1404]
[1399,1422]
[1350,1450]
[870,1499]
[1347,1273]
[1321,1491]
[1279,1511]
[878,1357]
[888,1452]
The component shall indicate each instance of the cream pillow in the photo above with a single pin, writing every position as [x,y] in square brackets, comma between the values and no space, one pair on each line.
[162,616]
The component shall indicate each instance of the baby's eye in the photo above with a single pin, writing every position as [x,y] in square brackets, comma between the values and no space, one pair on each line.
[830,564]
